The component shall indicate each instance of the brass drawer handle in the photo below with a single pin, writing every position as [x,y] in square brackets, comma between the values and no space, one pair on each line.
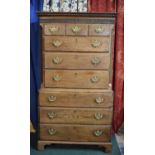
[98,133]
[99,100]
[57,43]
[96,43]
[51,115]
[57,77]
[76,29]
[95,60]
[51,131]
[99,29]
[57,60]
[98,116]
[54,29]
[52,98]
[94,79]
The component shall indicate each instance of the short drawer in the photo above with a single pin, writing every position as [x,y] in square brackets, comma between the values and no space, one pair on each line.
[54,29]
[76,115]
[81,44]
[76,133]
[77,29]
[66,60]
[76,79]
[100,29]
[75,98]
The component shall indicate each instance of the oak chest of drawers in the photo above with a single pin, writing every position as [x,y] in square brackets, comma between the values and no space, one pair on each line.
[76,97]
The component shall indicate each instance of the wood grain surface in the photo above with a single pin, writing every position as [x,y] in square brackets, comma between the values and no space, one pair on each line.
[60,29]
[83,29]
[82,133]
[77,60]
[76,79]
[75,115]
[75,98]
[105,29]
[81,44]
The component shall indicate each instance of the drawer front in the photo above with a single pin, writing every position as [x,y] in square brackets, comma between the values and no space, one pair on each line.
[82,44]
[77,133]
[100,29]
[77,60]
[76,115]
[54,29]
[77,29]
[76,79]
[78,98]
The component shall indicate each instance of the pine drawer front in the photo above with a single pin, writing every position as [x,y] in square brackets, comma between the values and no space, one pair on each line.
[75,98]
[54,29]
[100,29]
[81,133]
[76,115]
[77,60]
[76,79]
[77,29]
[72,44]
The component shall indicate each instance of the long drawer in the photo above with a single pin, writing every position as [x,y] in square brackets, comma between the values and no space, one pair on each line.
[62,60]
[82,44]
[76,133]
[75,98]
[76,79]
[76,115]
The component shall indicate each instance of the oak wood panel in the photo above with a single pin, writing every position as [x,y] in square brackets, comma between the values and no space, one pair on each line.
[76,133]
[76,79]
[59,29]
[77,60]
[75,98]
[100,29]
[76,115]
[82,29]
[81,44]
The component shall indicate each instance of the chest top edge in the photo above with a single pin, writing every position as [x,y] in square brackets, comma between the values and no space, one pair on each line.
[89,18]
[78,14]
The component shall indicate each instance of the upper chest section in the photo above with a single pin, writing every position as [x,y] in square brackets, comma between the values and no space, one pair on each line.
[74,24]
